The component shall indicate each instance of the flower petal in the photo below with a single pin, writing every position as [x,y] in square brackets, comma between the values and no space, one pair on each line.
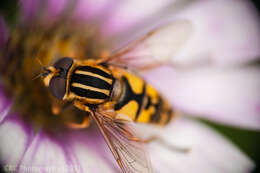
[82,9]
[3,32]
[29,8]
[5,105]
[229,96]
[91,151]
[227,31]
[22,149]
[93,8]
[130,13]
[55,8]
[14,137]
[46,154]
[208,150]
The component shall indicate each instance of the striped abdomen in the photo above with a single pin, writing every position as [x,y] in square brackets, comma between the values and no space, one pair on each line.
[141,102]
[91,83]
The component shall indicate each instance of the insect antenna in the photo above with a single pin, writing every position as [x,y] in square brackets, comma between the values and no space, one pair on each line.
[45,70]
[43,74]
[36,77]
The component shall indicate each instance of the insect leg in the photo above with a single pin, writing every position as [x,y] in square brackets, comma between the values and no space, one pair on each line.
[85,123]
[81,106]
[58,108]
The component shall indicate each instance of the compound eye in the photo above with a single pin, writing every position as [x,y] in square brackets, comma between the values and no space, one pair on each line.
[58,87]
[64,63]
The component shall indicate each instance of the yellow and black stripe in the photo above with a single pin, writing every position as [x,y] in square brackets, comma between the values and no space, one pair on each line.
[141,102]
[130,96]
[93,83]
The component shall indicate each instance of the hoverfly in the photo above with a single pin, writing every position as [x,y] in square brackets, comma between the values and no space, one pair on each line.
[114,96]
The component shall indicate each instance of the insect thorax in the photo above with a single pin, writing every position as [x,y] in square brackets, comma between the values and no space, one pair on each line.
[91,84]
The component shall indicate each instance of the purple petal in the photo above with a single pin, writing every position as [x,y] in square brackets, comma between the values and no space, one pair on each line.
[49,9]
[208,150]
[3,32]
[56,7]
[29,8]
[114,16]
[93,8]
[230,96]
[227,31]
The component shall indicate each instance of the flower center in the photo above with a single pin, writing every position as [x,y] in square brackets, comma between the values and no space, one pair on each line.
[19,65]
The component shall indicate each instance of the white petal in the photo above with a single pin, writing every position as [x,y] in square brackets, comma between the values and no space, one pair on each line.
[14,136]
[229,96]
[89,160]
[130,13]
[23,151]
[209,151]
[91,151]
[227,31]
[47,154]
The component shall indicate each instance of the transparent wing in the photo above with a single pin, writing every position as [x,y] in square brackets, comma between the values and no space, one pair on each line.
[157,46]
[128,150]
